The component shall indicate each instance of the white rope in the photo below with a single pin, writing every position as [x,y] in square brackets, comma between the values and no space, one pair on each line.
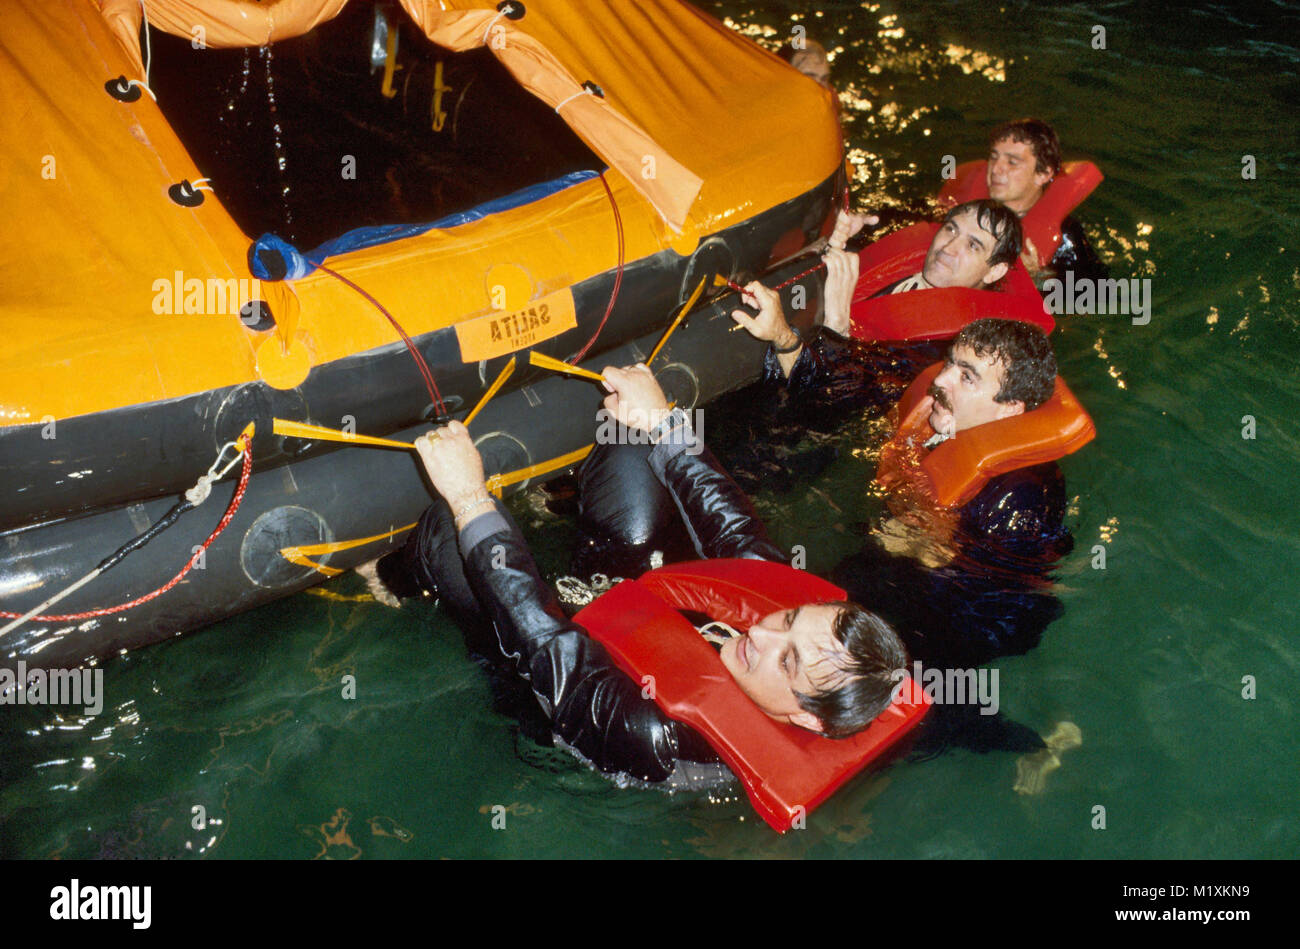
[195,495]
[718,632]
[576,95]
[487,32]
[42,607]
[203,487]
[144,86]
[148,48]
[575,592]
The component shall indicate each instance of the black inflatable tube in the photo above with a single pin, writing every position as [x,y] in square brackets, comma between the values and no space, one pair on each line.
[338,494]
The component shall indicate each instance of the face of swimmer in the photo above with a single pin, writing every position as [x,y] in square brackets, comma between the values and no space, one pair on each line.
[1013,177]
[959,254]
[784,653]
[964,392]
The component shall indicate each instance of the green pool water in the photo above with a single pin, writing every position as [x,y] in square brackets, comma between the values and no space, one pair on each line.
[247,720]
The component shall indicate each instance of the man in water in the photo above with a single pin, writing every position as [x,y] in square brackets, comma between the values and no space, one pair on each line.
[824,667]
[809,57]
[1010,534]
[957,604]
[1024,158]
[975,247]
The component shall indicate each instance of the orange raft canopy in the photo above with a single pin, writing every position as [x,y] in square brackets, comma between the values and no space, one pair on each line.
[786,771]
[91,228]
[955,471]
[1042,224]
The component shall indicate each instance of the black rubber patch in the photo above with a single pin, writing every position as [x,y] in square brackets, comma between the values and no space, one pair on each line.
[281,527]
[256,316]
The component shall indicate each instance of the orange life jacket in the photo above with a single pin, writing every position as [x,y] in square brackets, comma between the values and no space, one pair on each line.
[1041,223]
[787,771]
[939,313]
[956,470]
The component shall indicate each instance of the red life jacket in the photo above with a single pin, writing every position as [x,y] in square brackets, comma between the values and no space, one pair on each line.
[787,771]
[931,314]
[1041,223]
[956,470]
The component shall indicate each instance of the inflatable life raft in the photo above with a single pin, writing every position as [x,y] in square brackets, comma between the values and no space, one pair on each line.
[956,470]
[931,314]
[1042,223]
[787,771]
[149,317]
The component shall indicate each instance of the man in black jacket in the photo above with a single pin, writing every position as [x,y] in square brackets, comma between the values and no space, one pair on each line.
[824,667]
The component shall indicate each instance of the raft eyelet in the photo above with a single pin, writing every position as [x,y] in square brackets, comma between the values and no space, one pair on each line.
[122,90]
[185,194]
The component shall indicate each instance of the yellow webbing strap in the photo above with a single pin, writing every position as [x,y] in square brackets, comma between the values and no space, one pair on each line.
[497,482]
[301,555]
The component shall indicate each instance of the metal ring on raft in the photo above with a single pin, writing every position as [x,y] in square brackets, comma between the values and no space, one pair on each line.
[713,256]
[503,453]
[680,384]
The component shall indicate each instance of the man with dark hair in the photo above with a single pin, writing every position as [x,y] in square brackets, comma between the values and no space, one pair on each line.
[1024,159]
[980,592]
[825,667]
[831,373]
[995,369]
[975,247]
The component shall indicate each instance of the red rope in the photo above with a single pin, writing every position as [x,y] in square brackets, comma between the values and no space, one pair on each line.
[434,394]
[618,275]
[784,283]
[189,565]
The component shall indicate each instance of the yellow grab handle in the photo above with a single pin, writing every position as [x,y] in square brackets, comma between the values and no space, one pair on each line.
[302,430]
[681,315]
[546,362]
[492,390]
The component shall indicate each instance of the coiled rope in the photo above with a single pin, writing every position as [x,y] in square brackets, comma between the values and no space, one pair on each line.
[193,498]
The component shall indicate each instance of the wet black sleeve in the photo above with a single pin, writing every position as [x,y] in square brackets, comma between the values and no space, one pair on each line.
[593,706]
[835,376]
[1018,519]
[1076,253]
[717,513]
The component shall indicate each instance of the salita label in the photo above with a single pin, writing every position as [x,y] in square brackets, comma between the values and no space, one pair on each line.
[496,334]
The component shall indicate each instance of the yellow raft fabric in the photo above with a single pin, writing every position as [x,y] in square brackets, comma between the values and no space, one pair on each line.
[90,231]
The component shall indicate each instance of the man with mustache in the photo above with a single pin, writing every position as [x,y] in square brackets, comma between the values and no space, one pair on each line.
[974,586]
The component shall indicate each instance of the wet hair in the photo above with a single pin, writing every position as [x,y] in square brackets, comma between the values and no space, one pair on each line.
[810,49]
[789,51]
[1039,136]
[1029,373]
[1003,223]
[865,684]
